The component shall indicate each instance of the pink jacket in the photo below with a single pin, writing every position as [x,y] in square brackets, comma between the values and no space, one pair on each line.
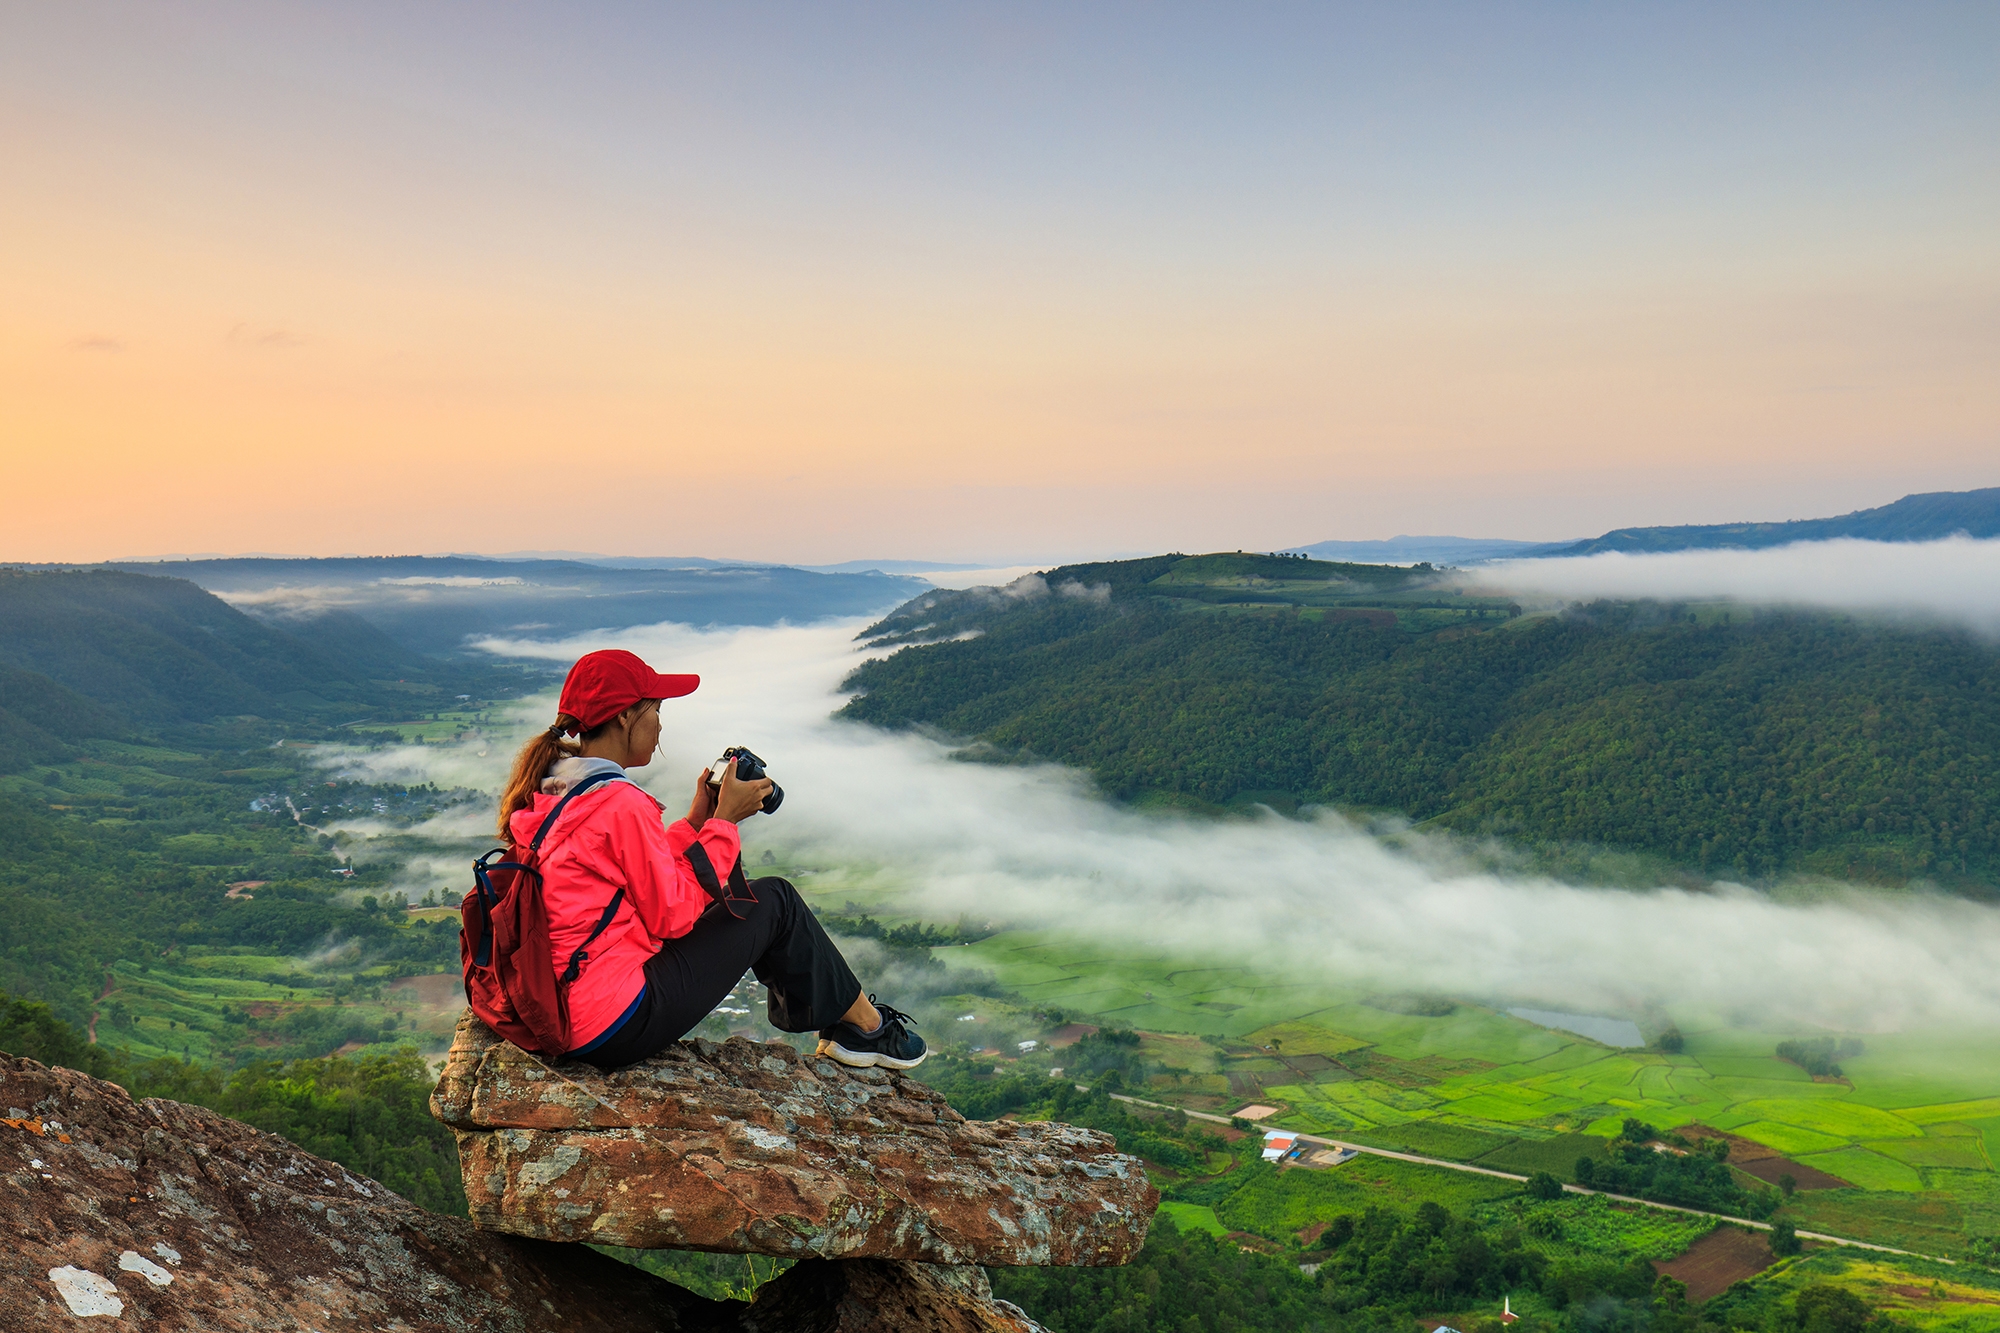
[610,838]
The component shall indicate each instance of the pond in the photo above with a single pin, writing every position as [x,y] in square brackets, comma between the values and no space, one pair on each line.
[1610,1031]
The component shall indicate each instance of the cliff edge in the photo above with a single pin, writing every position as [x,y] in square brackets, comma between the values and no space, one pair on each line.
[127,1214]
[121,1213]
[751,1148]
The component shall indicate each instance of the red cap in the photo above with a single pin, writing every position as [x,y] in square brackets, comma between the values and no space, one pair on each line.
[604,684]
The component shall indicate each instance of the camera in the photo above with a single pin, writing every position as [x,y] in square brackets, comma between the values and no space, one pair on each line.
[749,768]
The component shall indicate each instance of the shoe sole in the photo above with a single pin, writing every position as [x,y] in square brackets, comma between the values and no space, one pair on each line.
[867,1059]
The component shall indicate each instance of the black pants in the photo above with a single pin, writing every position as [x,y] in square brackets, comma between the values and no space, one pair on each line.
[809,984]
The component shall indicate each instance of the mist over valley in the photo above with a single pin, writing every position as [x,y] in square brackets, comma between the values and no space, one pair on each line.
[1485,865]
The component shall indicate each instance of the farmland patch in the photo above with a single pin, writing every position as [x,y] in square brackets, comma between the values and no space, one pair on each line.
[1788,1138]
[1579,1224]
[1194,1217]
[1960,1152]
[1724,1256]
[1846,1121]
[1867,1169]
[1289,1039]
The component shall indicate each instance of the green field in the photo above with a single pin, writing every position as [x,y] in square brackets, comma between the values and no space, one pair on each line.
[1912,1128]
[1194,1217]
[214,1006]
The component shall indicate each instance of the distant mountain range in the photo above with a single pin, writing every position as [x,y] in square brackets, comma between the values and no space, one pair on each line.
[1914,518]
[438,604]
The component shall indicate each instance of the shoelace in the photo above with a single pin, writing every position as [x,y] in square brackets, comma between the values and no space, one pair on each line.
[891,1014]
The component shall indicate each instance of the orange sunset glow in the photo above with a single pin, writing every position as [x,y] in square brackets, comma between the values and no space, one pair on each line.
[821,284]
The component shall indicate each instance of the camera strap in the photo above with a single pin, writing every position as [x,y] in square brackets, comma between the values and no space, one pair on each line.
[704,870]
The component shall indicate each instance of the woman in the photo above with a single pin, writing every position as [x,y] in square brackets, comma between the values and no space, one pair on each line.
[671,950]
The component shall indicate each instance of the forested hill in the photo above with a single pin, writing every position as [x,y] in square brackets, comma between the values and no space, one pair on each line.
[1729,742]
[101,652]
[1913,518]
[150,768]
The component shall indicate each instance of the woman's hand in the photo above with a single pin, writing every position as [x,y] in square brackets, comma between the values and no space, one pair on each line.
[739,799]
[703,805]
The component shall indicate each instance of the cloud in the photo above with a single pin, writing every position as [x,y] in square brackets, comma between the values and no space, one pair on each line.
[1096,592]
[265,336]
[314,598]
[453,581]
[295,599]
[1321,901]
[1955,580]
[97,342]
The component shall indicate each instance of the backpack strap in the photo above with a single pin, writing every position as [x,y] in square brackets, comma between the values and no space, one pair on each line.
[704,871]
[578,958]
[594,780]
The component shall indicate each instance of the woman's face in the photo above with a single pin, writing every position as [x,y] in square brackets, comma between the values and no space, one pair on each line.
[644,736]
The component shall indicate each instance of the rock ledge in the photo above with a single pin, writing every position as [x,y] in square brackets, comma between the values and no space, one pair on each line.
[748,1148]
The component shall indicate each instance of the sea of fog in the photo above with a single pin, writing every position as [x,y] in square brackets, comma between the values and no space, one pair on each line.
[1954,581]
[1322,897]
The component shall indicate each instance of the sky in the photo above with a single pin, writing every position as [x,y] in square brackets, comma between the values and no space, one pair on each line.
[986,283]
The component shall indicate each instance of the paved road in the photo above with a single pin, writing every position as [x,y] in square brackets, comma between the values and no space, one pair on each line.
[1509,1175]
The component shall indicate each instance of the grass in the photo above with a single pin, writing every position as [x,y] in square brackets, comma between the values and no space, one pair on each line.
[1579,1224]
[1843,1121]
[1915,1294]
[1194,1217]
[1915,1126]
[1789,1139]
[1304,1039]
[1959,1152]
[1868,1169]
[1264,1199]
[1557,1156]
[195,1008]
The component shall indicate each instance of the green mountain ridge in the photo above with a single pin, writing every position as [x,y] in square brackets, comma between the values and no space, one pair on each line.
[1914,518]
[110,651]
[1730,742]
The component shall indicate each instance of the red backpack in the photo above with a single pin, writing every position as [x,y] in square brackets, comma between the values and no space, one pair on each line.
[503,944]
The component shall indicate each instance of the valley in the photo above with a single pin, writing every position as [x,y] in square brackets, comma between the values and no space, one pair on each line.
[252,910]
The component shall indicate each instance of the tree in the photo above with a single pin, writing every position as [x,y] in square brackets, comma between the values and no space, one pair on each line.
[1785,1238]
[1822,1308]
[1788,1184]
[1544,1186]
[1586,1170]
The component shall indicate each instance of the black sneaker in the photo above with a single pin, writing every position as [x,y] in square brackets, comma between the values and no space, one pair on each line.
[894,1046]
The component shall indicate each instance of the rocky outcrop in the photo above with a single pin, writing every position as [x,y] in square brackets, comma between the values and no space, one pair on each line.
[174,1218]
[743,1147]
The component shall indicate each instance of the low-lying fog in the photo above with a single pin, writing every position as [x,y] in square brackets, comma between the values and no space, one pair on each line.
[1311,898]
[1954,581]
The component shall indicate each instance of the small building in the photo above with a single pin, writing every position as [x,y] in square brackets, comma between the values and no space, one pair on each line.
[1279,1144]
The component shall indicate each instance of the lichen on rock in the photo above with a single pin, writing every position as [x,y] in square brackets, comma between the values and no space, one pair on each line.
[156,1213]
[751,1148]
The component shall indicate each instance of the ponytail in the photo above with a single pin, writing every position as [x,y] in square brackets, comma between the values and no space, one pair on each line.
[542,753]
